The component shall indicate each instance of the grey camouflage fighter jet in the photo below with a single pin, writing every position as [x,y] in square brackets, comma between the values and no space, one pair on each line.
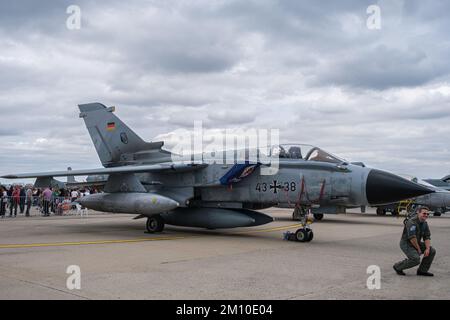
[144,180]
[440,183]
[438,202]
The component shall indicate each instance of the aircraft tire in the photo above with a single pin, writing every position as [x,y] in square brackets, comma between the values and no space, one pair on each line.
[381,212]
[301,235]
[310,236]
[318,216]
[155,223]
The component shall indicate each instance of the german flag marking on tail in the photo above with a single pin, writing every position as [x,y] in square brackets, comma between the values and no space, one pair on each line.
[111,126]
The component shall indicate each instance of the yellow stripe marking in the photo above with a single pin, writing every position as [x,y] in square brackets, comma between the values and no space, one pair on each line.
[271,229]
[79,243]
[60,244]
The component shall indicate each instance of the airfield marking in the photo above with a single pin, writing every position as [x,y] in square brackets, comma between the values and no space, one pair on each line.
[61,244]
[79,243]
[270,229]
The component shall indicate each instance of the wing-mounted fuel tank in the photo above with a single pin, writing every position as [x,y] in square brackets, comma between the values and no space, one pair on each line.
[124,193]
[145,204]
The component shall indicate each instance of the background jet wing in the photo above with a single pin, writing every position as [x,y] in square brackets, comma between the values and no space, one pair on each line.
[161,167]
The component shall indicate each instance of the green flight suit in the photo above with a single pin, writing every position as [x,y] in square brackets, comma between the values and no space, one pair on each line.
[419,230]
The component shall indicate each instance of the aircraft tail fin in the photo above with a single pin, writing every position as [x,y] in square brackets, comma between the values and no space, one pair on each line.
[114,141]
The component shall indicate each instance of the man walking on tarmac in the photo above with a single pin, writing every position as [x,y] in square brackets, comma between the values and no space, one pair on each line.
[416,229]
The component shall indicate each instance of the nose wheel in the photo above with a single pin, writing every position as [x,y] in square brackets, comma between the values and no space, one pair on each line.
[304,234]
[155,224]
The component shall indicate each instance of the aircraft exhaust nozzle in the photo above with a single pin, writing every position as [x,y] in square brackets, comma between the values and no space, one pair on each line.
[384,188]
[132,202]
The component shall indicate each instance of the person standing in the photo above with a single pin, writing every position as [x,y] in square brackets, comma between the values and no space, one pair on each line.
[46,199]
[29,200]
[16,200]
[38,197]
[74,197]
[62,193]
[9,194]
[54,202]
[3,200]
[22,199]
[416,229]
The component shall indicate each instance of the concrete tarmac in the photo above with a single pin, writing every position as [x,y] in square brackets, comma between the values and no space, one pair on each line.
[119,261]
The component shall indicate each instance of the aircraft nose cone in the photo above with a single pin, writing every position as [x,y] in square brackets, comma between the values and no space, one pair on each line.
[384,187]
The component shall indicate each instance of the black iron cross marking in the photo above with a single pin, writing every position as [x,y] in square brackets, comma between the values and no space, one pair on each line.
[275,186]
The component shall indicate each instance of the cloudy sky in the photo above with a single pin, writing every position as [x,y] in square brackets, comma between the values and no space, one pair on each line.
[312,69]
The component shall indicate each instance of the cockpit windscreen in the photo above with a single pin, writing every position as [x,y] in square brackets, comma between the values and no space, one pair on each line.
[305,152]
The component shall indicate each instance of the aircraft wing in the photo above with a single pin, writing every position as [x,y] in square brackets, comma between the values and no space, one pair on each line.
[160,167]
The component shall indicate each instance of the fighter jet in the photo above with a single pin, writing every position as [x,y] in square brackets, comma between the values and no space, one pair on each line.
[438,201]
[443,183]
[144,180]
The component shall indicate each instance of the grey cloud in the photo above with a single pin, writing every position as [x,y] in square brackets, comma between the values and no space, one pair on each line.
[235,118]
[383,68]
[361,58]
[8,132]
[25,15]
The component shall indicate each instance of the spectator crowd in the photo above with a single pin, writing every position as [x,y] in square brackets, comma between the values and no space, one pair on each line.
[18,199]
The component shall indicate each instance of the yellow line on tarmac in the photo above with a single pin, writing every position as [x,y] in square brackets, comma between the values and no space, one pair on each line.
[271,229]
[79,243]
[60,244]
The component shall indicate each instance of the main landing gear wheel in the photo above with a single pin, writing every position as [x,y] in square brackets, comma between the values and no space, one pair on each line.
[381,212]
[318,216]
[304,235]
[155,224]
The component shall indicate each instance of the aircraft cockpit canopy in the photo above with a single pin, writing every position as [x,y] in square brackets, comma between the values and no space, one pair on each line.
[305,152]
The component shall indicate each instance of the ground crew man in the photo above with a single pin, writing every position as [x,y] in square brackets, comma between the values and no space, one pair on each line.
[416,229]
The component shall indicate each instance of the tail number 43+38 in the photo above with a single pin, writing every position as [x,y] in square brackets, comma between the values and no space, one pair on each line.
[276,186]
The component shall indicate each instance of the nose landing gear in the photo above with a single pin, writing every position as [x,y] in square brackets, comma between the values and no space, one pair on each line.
[304,234]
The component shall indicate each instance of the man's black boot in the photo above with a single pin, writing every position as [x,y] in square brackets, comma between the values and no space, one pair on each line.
[399,272]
